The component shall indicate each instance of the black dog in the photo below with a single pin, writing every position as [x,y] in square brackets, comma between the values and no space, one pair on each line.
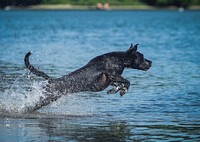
[95,76]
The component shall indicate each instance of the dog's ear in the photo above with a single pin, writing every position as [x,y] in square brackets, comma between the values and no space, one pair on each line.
[132,49]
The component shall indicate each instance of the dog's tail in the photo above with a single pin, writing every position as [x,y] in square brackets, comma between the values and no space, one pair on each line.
[32,69]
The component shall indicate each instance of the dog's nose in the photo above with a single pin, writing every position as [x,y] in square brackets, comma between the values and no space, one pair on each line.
[150,62]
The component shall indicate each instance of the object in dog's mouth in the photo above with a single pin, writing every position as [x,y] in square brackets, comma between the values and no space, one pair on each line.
[99,73]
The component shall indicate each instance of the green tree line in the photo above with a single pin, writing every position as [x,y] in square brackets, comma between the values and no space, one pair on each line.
[165,3]
[159,3]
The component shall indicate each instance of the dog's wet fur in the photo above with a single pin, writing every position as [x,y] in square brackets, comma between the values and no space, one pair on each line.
[99,73]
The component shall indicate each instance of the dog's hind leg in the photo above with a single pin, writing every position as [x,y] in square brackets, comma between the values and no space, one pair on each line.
[45,100]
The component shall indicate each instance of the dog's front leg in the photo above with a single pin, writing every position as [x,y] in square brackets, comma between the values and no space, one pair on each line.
[120,84]
[117,87]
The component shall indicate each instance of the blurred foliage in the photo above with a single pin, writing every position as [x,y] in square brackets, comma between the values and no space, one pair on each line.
[93,2]
[165,3]
[162,3]
[4,3]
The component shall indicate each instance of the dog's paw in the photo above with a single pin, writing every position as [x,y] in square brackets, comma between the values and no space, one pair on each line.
[123,91]
[114,90]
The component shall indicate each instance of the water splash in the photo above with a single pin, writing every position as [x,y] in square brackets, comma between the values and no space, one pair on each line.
[26,91]
[75,105]
[23,94]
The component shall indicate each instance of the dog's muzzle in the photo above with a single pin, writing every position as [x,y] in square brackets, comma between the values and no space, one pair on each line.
[146,65]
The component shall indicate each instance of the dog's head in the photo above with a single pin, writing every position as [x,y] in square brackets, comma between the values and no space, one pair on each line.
[136,60]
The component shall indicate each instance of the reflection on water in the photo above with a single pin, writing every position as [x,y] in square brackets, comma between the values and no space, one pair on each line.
[162,104]
[93,129]
[113,131]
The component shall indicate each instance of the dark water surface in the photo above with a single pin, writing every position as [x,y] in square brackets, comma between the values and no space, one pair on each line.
[163,104]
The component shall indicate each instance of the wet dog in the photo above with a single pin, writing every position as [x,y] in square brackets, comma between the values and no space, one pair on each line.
[99,73]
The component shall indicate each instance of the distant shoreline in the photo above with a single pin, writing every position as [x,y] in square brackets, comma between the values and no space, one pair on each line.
[93,7]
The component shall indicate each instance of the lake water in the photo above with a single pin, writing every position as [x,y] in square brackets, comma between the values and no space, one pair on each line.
[163,104]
